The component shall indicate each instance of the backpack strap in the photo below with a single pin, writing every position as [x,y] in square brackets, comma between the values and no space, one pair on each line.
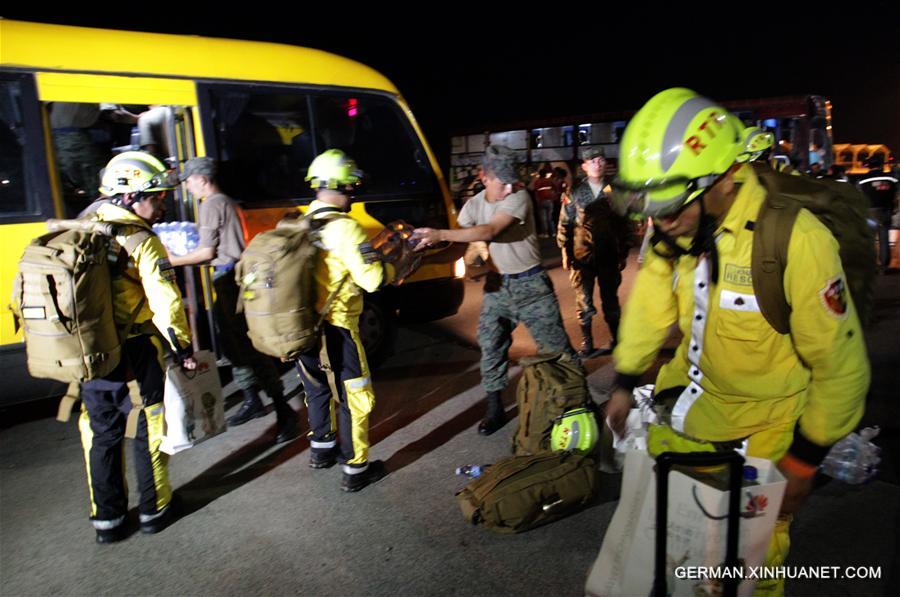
[771,236]
[134,240]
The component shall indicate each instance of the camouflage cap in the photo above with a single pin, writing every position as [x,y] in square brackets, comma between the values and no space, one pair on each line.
[204,166]
[500,160]
[589,153]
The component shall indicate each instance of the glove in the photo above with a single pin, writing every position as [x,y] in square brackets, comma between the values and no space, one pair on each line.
[183,354]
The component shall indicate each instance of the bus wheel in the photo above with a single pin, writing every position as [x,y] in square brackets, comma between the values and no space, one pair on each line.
[377,330]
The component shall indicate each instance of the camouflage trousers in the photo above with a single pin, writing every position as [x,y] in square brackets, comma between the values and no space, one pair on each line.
[608,278]
[507,302]
[250,368]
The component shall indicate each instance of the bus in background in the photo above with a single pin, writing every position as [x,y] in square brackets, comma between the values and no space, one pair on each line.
[796,121]
[263,110]
[853,157]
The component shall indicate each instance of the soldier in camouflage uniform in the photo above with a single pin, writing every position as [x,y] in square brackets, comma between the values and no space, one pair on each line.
[594,247]
[520,290]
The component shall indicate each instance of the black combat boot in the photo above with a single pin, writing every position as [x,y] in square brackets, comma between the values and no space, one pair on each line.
[613,323]
[495,415]
[286,421]
[374,472]
[587,343]
[251,408]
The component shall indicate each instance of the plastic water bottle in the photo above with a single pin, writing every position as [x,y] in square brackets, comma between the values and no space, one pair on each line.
[751,476]
[470,471]
[854,459]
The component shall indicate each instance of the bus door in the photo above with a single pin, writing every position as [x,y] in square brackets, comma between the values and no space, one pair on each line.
[92,118]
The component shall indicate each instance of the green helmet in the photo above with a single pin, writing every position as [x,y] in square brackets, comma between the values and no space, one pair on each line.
[575,431]
[756,142]
[674,149]
[333,169]
[135,172]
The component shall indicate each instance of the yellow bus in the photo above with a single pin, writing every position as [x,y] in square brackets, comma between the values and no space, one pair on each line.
[72,97]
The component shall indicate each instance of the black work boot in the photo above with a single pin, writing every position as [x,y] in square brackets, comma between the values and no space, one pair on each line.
[164,519]
[495,415]
[251,408]
[587,343]
[323,458]
[113,535]
[286,421]
[374,472]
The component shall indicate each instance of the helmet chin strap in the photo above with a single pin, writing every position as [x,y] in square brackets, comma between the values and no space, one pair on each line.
[703,243]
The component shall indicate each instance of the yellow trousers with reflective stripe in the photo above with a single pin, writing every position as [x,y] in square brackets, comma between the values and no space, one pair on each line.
[339,394]
[102,425]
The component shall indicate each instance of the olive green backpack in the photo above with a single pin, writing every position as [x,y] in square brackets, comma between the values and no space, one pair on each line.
[843,210]
[276,275]
[550,385]
[62,299]
[520,493]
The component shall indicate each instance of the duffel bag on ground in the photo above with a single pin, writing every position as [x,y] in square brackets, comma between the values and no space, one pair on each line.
[523,492]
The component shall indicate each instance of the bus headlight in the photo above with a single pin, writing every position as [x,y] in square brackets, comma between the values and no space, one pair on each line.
[459,268]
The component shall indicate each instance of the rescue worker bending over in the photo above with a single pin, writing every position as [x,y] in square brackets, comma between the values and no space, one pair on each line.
[146,302]
[594,244]
[346,265]
[733,376]
[221,245]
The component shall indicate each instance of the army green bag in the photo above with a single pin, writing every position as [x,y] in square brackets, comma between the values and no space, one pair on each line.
[520,493]
[843,210]
[276,275]
[550,385]
[62,299]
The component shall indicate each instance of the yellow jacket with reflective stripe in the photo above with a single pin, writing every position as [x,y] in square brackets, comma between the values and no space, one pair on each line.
[750,376]
[147,274]
[344,243]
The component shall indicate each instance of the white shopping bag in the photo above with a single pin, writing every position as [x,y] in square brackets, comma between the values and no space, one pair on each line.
[696,534]
[195,409]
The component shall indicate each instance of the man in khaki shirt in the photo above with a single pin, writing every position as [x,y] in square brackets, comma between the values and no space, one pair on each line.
[221,245]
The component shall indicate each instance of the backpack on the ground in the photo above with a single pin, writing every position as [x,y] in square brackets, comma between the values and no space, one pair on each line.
[520,493]
[843,210]
[62,298]
[276,275]
[550,385]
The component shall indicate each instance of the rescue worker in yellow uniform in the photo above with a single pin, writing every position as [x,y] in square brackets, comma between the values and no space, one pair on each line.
[347,265]
[733,376]
[147,304]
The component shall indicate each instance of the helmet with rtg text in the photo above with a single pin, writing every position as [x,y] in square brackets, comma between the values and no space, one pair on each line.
[675,148]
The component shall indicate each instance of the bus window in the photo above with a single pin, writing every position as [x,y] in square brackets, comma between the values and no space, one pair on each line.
[263,142]
[87,135]
[24,191]
[374,132]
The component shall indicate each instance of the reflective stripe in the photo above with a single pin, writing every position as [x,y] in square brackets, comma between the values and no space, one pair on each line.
[674,138]
[878,178]
[150,517]
[695,349]
[105,525]
[355,470]
[322,445]
[358,383]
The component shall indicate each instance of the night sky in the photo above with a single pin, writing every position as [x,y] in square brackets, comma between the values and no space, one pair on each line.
[467,68]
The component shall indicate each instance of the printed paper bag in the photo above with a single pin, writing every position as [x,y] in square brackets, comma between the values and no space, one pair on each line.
[195,409]
[697,520]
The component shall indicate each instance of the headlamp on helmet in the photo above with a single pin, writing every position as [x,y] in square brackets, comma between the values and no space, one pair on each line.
[333,170]
[756,142]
